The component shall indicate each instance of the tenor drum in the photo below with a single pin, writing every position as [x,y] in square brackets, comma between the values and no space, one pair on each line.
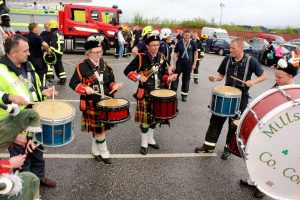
[57,122]
[113,111]
[225,101]
[163,104]
[269,137]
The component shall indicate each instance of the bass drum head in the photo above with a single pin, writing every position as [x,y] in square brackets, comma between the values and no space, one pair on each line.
[273,153]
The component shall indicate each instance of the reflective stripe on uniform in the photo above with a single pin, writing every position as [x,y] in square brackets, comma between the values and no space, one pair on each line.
[62,75]
[183,93]
[210,144]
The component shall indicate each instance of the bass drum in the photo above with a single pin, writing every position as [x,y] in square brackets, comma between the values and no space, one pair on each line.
[268,136]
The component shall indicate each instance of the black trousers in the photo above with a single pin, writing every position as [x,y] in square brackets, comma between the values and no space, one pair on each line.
[40,67]
[58,67]
[183,67]
[196,70]
[34,161]
[216,123]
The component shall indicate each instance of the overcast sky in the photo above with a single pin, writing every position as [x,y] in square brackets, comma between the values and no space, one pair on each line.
[269,13]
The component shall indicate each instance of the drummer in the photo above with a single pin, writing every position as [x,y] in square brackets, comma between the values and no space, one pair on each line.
[241,66]
[91,76]
[138,70]
[284,75]
[19,85]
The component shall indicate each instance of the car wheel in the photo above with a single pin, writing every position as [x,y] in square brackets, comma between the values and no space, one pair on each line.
[221,52]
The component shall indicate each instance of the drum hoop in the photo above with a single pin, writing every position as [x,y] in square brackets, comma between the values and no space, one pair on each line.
[175,95]
[227,95]
[50,121]
[47,121]
[250,140]
[113,108]
[222,115]
[117,121]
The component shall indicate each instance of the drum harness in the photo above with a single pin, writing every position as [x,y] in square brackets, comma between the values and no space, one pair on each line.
[186,46]
[245,62]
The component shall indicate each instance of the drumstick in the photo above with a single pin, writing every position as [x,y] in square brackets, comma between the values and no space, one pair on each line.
[53,93]
[238,79]
[102,95]
[115,88]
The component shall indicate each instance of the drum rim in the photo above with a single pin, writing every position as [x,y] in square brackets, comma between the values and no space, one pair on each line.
[227,95]
[117,121]
[152,96]
[227,86]
[250,140]
[127,105]
[59,120]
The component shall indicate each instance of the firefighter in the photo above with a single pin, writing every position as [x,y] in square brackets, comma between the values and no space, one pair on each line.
[185,56]
[36,43]
[5,20]
[141,45]
[57,47]
[200,51]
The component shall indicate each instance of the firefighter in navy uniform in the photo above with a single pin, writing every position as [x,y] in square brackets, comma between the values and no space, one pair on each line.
[239,65]
[184,60]
[200,51]
[57,47]
[165,44]
[138,70]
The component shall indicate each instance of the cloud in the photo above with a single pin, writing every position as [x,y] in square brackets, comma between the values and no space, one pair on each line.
[243,12]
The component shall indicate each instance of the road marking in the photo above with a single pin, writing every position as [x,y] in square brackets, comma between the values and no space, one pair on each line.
[122,156]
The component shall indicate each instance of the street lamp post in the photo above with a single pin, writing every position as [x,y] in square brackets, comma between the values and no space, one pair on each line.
[222,5]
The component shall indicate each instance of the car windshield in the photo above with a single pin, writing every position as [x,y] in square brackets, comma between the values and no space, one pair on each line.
[222,35]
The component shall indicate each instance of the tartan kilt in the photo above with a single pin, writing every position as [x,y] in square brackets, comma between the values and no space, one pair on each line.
[90,122]
[143,113]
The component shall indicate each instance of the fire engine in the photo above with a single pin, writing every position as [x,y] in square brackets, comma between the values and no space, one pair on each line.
[76,22]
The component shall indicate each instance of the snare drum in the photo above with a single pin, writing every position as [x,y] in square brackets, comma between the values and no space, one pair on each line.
[225,101]
[163,104]
[269,136]
[57,122]
[113,111]
[232,144]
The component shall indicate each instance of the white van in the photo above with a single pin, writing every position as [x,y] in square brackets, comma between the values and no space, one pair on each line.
[214,32]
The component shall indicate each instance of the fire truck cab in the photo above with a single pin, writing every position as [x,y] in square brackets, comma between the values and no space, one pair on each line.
[78,22]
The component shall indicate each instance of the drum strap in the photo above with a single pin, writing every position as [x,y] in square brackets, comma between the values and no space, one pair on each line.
[29,86]
[186,46]
[246,60]
[99,76]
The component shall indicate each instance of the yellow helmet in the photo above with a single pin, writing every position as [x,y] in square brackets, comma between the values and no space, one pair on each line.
[53,23]
[147,30]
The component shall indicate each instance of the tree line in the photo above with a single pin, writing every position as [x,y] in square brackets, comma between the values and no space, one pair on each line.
[199,22]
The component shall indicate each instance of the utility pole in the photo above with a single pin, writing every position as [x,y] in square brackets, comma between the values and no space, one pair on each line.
[222,5]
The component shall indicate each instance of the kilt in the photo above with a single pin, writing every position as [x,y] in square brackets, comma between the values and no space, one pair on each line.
[143,113]
[90,122]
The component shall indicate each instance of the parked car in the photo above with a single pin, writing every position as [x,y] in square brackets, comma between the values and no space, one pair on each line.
[257,48]
[295,42]
[271,37]
[221,46]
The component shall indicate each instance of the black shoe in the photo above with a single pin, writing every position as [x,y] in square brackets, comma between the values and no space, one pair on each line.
[183,98]
[144,150]
[98,158]
[203,150]
[258,194]
[154,146]
[106,161]
[196,81]
[226,154]
[245,183]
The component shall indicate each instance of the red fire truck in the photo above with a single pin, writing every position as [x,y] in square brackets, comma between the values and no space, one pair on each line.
[76,22]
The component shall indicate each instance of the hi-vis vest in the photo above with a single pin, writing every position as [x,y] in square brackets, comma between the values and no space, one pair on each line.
[57,42]
[295,59]
[11,84]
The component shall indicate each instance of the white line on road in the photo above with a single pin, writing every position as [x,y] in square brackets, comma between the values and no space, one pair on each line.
[122,156]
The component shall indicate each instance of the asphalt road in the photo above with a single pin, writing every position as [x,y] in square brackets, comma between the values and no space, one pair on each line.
[173,172]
